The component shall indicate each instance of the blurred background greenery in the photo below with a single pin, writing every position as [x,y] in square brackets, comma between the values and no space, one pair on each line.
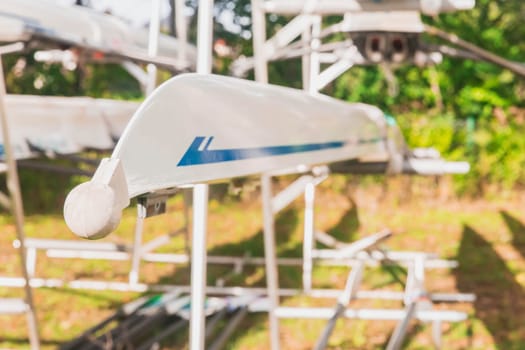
[466,109]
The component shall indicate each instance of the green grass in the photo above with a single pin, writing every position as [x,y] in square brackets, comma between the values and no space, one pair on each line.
[487,238]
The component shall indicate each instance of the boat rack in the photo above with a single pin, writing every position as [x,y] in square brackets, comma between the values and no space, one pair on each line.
[107,117]
[357,256]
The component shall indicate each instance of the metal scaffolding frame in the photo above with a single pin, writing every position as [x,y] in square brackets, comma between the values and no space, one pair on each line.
[27,247]
[362,253]
[306,26]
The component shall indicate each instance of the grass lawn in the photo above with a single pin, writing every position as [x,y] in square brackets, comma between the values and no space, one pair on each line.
[486,237]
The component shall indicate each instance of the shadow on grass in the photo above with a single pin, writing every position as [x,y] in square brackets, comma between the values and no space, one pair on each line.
[285,224]
[500,299]
[517,229]
[112,300]
[346,229]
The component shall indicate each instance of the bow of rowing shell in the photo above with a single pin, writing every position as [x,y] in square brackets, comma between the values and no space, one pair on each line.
[204,128]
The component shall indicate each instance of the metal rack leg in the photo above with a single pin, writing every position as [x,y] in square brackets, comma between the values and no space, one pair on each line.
[308,240]
[396,340]
[436,334]
[352,284]
[17,209]
[198,266]
[270,260]
[137,244]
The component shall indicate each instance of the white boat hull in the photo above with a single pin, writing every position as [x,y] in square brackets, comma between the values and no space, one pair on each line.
[26,20]
[201,128]
[198,128]
[64,125]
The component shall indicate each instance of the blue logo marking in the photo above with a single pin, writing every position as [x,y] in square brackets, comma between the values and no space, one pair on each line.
[197,155]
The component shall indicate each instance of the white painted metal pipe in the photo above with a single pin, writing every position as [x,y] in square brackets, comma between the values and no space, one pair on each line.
[326,7]
[200,195]
[17,210]
[153,44]
[198,266]
[270,255]
[371,314]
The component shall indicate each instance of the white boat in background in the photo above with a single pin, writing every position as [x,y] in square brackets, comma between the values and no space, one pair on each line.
[45,24]
[64,125]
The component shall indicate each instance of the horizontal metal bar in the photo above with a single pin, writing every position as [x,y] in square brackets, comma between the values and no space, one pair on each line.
[87,254]
[378,255]
[111,251]
[284,292]
[10,306]
[325,7]
[45,244]
[370,314]
[453,297]
[11,48]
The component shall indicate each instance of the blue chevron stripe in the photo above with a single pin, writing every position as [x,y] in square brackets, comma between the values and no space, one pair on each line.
[196,156]
[198,152]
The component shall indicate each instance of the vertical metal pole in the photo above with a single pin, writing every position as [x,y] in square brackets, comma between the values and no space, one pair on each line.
[172,18]
[270,259]
[200,195]
[137,242]
[186,194]
[409,284]
[436,334]
[204,36]
[314,55]
[153,47]
[181,28]
[31,262]
[259,38]
[198,266]
[415,284]
[13,187]
[419,272]
[153,44]
[306,62]
[308,240]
